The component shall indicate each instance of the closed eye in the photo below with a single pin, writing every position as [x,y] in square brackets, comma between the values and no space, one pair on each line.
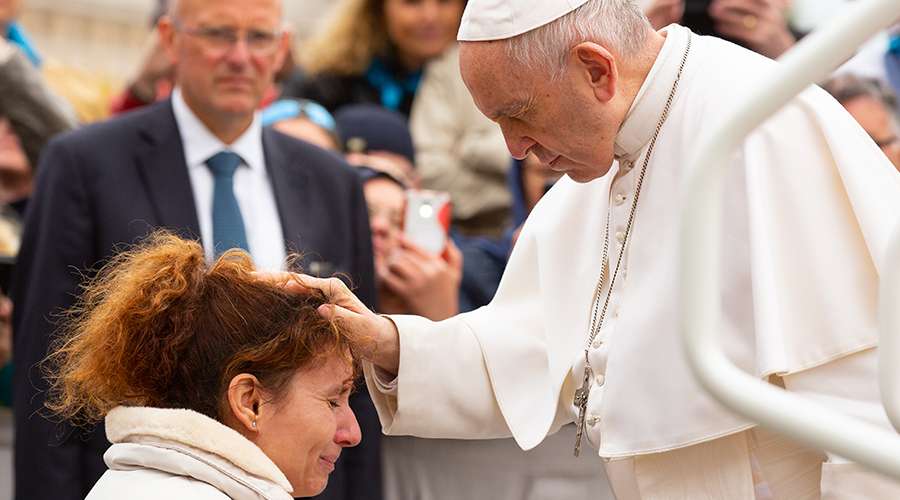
[343,398]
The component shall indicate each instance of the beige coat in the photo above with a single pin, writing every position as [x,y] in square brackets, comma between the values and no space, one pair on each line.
[174,454]
[460,151]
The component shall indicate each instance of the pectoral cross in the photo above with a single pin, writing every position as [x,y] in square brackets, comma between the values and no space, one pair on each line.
[581,399]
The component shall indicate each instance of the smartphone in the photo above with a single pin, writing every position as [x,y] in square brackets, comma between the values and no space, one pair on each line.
[427,221]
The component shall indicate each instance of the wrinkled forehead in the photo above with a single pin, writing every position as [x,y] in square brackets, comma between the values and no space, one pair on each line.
[497,83]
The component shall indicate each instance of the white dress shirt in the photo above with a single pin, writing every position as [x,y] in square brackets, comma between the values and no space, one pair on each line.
[252,185]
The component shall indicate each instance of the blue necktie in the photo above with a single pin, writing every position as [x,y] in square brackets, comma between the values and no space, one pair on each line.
[228,225]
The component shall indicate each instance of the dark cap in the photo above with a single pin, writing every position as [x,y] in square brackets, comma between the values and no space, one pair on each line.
[367,128]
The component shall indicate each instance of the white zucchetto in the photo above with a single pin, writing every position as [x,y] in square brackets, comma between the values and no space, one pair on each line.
[486,20]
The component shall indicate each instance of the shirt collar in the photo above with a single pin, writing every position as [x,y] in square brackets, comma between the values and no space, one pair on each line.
[193,437]
[641,120]
[200,144]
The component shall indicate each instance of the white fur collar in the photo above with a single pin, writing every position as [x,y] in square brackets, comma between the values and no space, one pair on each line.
[129,424]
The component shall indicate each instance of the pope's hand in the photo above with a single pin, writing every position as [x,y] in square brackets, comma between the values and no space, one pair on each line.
[376,333]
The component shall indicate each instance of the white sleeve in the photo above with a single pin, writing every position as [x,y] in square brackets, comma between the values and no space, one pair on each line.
[443,389]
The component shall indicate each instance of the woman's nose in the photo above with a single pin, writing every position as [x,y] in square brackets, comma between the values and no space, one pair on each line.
[348,433]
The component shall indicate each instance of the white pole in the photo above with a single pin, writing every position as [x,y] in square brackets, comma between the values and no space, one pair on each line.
[889,340]
[810,61]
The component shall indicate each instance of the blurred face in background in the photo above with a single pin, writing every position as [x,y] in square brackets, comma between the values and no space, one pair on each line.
[226,53]
[386,201]
[9,10]
[880,123]
[422,29]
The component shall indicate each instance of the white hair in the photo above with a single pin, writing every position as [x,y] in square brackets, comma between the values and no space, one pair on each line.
[619,25]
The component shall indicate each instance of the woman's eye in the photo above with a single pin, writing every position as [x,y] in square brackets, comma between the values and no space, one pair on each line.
[334,403]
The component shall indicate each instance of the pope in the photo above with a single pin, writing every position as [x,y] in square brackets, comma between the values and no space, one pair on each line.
[584,326]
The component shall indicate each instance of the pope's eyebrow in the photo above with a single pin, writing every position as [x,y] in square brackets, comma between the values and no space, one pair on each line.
[510,110]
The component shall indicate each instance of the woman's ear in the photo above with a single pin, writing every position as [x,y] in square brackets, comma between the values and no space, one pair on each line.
[599,67]
[244,399]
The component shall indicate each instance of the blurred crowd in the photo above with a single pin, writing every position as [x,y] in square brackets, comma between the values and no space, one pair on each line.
[232,134]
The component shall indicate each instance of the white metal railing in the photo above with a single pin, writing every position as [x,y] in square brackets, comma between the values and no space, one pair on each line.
[889,340]
[810,61]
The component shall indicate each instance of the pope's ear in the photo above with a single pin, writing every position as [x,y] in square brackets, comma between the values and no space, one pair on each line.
[598,67]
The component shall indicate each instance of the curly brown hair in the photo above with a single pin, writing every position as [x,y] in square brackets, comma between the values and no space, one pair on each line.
[161,327]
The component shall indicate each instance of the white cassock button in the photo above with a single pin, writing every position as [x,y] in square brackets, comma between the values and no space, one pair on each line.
[620,236]
[620,199]
[597,343]
[600,379]
[593,420]
[615,312]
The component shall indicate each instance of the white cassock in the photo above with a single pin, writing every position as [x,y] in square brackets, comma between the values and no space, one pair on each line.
[809,205]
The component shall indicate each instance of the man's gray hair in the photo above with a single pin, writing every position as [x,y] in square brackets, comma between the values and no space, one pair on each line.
[848,86]
[619,25]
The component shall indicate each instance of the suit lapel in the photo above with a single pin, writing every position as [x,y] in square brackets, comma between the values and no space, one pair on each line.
[164,171]
[290,186]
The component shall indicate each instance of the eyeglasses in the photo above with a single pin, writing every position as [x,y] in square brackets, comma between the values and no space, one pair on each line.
[222,39]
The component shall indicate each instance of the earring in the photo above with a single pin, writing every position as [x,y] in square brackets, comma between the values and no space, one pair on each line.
[253,424]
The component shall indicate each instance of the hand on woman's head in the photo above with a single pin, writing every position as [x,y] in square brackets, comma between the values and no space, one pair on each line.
[375,338]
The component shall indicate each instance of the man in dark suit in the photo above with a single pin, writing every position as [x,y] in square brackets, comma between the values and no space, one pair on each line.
[199,165]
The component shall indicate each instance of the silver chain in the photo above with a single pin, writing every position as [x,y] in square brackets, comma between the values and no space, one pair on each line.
[595,323]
